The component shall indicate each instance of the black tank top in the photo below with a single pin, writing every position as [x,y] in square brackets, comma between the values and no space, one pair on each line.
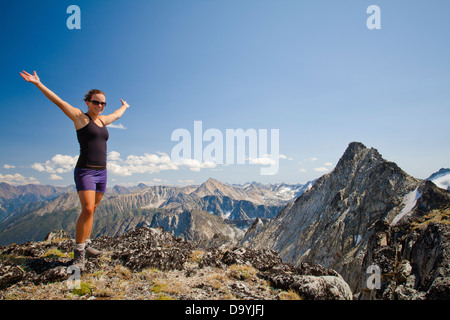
[92,139]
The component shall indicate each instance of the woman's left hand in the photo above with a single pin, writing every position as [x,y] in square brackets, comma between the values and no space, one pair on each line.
[124,103]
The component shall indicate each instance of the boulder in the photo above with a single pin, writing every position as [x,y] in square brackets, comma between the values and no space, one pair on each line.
[259,259]
[311,287]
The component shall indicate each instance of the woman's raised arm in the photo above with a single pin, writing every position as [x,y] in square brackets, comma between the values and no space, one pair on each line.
[71,112]
[107,119]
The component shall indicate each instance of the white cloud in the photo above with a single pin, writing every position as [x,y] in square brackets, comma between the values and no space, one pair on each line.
[282,156]
[321,169]
[194,165]
[55,177]
[18,179]
[265,161]
[7,166]
[116,126]
[302,170]
[151,163]
[328,164]
[148,163]
[117,169]
[114,156]
[58,164]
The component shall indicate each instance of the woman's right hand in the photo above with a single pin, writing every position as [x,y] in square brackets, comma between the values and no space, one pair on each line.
[73,113]
[30,78]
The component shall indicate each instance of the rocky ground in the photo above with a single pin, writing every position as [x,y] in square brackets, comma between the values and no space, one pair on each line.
[149,263]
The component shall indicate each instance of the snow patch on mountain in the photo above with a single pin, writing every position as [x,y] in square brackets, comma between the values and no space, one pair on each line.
[409,202]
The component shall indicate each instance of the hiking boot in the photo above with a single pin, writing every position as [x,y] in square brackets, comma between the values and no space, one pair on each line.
[93,253]
[79,258]
[90,251]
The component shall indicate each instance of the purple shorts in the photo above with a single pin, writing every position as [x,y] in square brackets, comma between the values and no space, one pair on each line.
[89,179]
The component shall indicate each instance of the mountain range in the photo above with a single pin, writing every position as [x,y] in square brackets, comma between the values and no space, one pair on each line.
[14,199]
[227,209]
[441,178]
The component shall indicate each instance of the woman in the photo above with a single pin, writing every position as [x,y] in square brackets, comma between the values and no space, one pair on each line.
[90,172]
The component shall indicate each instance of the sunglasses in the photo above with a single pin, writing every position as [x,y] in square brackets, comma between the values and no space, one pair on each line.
[95,102]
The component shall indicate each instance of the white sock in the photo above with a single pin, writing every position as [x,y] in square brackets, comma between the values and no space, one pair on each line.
[87,242]
[79,246]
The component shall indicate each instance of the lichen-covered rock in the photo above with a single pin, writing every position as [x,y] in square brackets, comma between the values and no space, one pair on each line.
[312,287]
[10,273]
[310,281]
[414,264]
[259,259]
[159,258]
[148,248]
[138,252]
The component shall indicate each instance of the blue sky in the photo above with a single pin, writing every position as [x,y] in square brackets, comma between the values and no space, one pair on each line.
[311,69]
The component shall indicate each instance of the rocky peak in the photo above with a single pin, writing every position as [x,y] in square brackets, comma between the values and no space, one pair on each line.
[356,155]
[213,187]
[366,164]
[353,151]
[331,223]
[214,184]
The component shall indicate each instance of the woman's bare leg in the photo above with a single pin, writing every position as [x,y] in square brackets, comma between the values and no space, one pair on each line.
[98,198]
[84,223]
